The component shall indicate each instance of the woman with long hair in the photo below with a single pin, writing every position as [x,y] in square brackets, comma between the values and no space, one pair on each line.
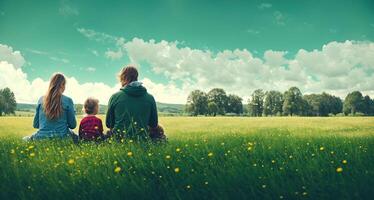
[55,114]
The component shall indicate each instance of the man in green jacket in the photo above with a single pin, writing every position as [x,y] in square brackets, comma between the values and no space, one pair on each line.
[132,111]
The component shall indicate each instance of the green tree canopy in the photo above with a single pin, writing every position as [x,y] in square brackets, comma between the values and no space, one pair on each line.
[218,96]
[197,103]
[8,102]
[212,108]
[234,104]
[273,102]
[256,103]
[353,102]
[293,102]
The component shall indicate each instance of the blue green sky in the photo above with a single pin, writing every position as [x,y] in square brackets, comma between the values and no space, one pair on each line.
[197,44]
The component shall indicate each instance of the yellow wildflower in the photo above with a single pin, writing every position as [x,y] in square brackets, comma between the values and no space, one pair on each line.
[168,157]
[339,169]
[71,161]
[176,169]
[322,148]
[129,153]
[344,162]
[117,169]
[210,154]
[178,150]
[32,154]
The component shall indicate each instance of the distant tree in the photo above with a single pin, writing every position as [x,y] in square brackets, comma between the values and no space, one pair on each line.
[323,104]
[314,101]
[78,109]
[234,104]
[273,102]
[256,103]
[2,103]
[353,102]
[197,103]
[212,108]
[368,106]
[332,104]
[293,102]
[218,96]
[372,107]
[8,102]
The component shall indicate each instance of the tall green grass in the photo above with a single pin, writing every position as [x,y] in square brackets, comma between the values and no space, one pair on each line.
[205,158]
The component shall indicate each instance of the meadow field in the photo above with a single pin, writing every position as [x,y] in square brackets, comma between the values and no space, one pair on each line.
[205,158]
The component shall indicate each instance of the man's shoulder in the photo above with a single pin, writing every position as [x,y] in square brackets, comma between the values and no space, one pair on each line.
[119,93]
[150,97]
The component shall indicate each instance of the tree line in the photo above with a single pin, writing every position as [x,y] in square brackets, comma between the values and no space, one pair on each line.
[261,103]
[274,103]
[8,102]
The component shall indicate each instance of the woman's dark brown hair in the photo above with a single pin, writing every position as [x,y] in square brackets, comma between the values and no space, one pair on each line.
[52,105]
[127,75]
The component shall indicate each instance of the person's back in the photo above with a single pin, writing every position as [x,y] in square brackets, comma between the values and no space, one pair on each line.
[132,110]
[55,114]
[56,127]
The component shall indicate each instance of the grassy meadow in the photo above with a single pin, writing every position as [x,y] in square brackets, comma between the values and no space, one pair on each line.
[205,158]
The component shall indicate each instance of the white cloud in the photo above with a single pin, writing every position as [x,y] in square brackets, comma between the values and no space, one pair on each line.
[252,31]
[13,57]
[114,55]
[338,68]
[265,5]
[279,18]
[275,58]
[90,69]
[66,9]
[94,52]
[63,60]
[119,42]
[30,91]
[38,52]
[97,36]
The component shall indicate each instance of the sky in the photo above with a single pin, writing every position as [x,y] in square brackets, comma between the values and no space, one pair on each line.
[179,46]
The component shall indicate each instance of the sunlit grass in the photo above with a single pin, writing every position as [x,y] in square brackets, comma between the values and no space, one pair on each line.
[216,158]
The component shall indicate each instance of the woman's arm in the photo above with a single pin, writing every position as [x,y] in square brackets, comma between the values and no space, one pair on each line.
[36,117]
[72,122]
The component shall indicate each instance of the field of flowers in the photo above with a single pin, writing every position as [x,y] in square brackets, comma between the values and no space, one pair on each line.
[205,158]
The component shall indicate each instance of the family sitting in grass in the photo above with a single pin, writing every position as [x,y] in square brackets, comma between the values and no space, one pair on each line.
[132,113]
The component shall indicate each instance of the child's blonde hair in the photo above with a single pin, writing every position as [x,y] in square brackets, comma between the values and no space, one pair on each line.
[91,106]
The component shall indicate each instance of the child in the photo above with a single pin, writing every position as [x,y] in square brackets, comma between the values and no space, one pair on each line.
[157,133]
[91,127]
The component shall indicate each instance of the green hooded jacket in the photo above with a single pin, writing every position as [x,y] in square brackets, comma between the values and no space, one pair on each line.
[131,110]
